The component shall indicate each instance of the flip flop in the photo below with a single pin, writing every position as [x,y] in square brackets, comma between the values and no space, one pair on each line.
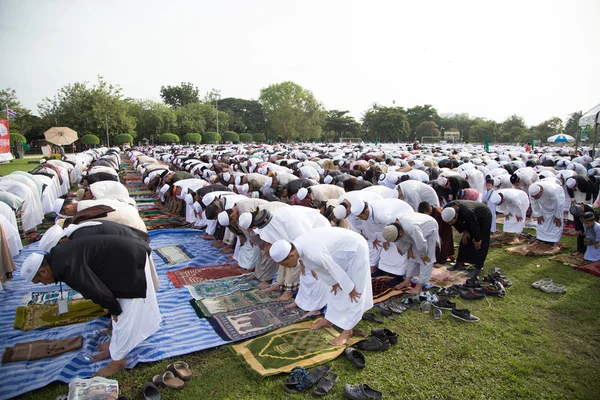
[325,384]
[181,369]
[168,379]
[540,283]
[150,392]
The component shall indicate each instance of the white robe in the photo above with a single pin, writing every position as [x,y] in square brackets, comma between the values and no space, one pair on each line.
[12,235]
[549,206]
[591,252]
[32,210]
[415,192]
[339,256]
[515,203]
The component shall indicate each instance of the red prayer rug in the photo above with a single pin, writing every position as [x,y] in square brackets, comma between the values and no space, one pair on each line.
[592,268]
[193,275]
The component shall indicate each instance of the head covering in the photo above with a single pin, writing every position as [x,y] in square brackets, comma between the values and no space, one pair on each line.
[497,181]
[448,214]
[358,207]
[587,216]
[31,266]
[58,205]
[382,177]
[534,189]
[302,193]
[575,210]
[238,180]
[189,199]
[442,181]
[51,238]
[245,220]
[223,218]
[390,233]
[280,250]
[340,211]
[208,198]
[226,176]
[147,180]
[80,194]
[262,218]
[496,198]
[460,194]
[514,178]
[571,183]
[268,181]
[164,189]
[328,179]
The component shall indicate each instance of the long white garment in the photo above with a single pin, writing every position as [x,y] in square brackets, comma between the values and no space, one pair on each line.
[139,320]
[31,185]
[549,206]
[415,192]
[9,214]
[485,199]
[326,192]
[515,203]
[384,191]
[32,213]
[49,193]
[476,180]
[12,236]
[339,256]
[592,253]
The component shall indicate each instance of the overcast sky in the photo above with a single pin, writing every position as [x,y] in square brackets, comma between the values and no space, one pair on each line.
[538,59]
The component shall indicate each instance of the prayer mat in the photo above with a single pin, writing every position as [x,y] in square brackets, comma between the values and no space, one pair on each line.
[592,268]
[192,275]
[443,278]
[253,321]
[570,260]
[295,345]
[44,315]
[50,297]
[529,250]
[569,231]
[38,349]
[221,287]
[206,308]
[382,292]
[173,254]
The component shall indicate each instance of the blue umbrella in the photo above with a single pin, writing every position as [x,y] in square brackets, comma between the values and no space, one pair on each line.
[560,138]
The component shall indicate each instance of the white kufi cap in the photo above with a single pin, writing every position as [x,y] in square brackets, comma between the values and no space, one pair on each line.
[223,218]
[496,198]
[302,193]
[571,183]
[534,189]
[208,198]
[448,214]
[328,179]
[245,220]
[58,205]
[442,181]
[146,180]
[31,265]
[357,207]
[340,212]
[280,250]
[189,199]
[164,189]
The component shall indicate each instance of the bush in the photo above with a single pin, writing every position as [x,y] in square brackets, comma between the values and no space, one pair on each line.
[259,137]
[17,137]
[192,138]
[230,136]
[246,138]
[123,138]
[211,137]
[89,139]
[168,138]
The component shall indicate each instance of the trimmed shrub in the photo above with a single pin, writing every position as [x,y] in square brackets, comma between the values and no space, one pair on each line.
[17,137]
[123,138]
[246,138]
[259,137]
[89,140]
[168,138]
[231,136]
[192,138]
[211,138]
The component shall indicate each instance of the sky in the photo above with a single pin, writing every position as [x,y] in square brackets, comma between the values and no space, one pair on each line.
[491,59]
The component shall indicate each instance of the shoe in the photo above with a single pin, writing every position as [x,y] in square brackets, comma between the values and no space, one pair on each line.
[392,306]
[385,333]
[448,292]
[444,305]
[472,283]
[489,291]
[325,385]
[387,313]
[464,315]
[374,343]
[361,392]
[554,288]
[371,317]
[540,283]
[150,392]
[472,294]
[437,314]
[455,267]
[356,356]
[425,306]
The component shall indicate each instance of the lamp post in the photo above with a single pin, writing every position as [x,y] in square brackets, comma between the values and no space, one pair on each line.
[217,94]
[266,131]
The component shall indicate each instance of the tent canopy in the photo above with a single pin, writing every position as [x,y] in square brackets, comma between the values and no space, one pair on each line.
[588,117]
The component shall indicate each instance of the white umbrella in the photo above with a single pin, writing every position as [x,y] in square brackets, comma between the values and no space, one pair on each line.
[560,138]
[60,135]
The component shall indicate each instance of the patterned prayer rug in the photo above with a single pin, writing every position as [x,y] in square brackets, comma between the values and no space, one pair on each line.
[173,254]
[295,345]
[568,259]
[535,250]
[44,315]
[192,275]
[592,268]
[253,321]
[443,278]
[50,297]
[382,292]
[208,307]
[221,287]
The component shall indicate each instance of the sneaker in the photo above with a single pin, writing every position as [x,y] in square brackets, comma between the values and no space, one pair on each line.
[444,305]
[356,357]
[425,306]
[448,292]
[464,315]
[472,294]
[361,392]
[374,343]
[491,291]
[385,333]
[437,314]
[472,283]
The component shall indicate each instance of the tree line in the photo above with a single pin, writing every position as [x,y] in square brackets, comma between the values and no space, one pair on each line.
[283,112]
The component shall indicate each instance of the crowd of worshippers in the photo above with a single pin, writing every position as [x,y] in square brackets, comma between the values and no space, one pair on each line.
[313,222]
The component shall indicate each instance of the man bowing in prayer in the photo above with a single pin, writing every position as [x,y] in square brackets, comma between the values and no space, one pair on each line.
[113,272]
[340,258]
[547,205]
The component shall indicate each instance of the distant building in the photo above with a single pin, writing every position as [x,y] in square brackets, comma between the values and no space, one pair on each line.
[452,134]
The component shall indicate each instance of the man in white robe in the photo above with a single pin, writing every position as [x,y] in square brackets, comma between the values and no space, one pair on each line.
[415,192]
[340,258]
[547,205]
[513,203]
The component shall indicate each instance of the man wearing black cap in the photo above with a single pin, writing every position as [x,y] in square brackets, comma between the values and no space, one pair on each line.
[577,210]
[592,237]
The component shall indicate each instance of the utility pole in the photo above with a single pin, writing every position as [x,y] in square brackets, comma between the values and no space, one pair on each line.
[217,94]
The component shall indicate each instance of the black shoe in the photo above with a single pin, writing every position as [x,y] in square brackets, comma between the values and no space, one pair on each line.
[464,315]
[150,392]
[361,392]
[387,313]
[449,292]
[374,344]
[457,266]
[392,306]
[371,317]
[491,291]
[356,356]
[444,305]
[472,283]
[325,384]
[385,333]
[472,294]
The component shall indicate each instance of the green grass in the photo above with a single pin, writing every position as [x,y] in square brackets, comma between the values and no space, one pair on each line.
[19,165]
[529,344]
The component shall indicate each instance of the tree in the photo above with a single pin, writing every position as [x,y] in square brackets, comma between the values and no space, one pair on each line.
[244,115]
[231,136]
[572,124]
[168,138]
[190,118]
[460,122]
[514,129]
[211,138]
[246,137]
[341,124]
[427,128]
[192,138]
[17,137]
[293,112]
[123,138]
[177,96]
[550,127]
[152,118]
[33,127]
[259,137]
[388,124]
[89,140]
[480,129]
[419,114]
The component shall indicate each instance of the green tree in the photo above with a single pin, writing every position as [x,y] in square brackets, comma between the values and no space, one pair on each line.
[89,139]
[388,124]
[244,115]
[293,112]
[460,122]
[340,124]
[550,127]
[33,127]
[177,96]
[190,118]
[514,129]
[231,136]
[17,137]
[211,138]
[259,137]
[192,138]
[480,129]
[427,128]
[572,124]
[419,114]
[123,138]
[152,118]
[168,138]
[246,138]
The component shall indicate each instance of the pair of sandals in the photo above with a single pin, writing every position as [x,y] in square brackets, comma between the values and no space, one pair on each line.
[301,380]
[173,378]
[546,285]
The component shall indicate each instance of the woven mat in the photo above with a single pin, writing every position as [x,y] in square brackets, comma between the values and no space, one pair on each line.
[208,307]
[528,250]
[382,292]
[295,345]
[173,254]
[44,316]
[443,278]
[568,259]
[221,287]
[192,275]
[592,268]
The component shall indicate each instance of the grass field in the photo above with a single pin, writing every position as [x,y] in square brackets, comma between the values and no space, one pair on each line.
[22,164]
[529,344]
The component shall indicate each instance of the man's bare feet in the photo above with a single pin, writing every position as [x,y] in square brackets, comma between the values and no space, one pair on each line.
[286,296]
[217,243]
[263,285]
[208,237]
[322,323]
[417,289]
[104,346]
[309,314]
[111,368]
[342,339]
[226,250]
[405,283]
[250,277]
[291,305]
[103,355]
[437,265]
[272,288]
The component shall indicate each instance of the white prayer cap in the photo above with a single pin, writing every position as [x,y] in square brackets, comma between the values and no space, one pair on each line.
[164,189]
[262,170]
[302,193]
[268,181]
[223,218]
[226,176]
[357,207]
[43,160]
[328,179]
[51,238]
[189,199]
[58,205]
[448,214]
[390,233]
[592,171]
[571,183]
[208,198]
[571,166]
[147,180]
[340,212]
[280,250]
[497,181]
[197,207]
[143,171]
[534,189]
[496,198]
[238,180]
[245,220]
[442,181]
[31,265]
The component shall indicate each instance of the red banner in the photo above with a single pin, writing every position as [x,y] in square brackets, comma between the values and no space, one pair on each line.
[4,137]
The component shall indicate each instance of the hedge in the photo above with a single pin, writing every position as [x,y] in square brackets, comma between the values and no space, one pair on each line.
[192,138]
[168,138]
[89,139]
[211,137]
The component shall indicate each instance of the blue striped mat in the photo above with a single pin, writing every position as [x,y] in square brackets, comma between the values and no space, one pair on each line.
[181,330]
